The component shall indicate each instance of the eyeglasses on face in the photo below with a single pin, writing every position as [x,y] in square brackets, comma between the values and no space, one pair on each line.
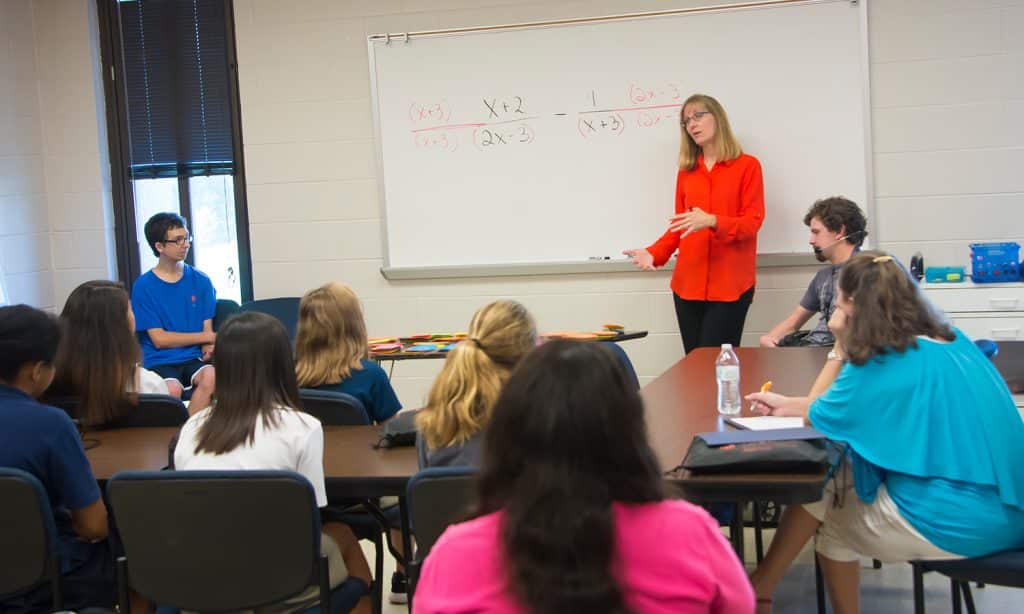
[699,115]
[179,241]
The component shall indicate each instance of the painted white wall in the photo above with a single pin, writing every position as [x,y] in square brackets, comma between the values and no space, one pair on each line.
[56,217]
[948,131]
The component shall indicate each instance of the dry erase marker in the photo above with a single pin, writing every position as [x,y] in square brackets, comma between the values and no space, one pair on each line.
[599,257]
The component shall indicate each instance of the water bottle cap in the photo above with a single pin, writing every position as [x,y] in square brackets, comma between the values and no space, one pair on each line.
[726,346]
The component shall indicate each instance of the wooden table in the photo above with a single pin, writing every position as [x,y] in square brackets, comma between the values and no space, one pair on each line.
[404,355]
[682,402]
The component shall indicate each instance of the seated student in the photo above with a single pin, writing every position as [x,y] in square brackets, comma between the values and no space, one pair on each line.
[174,306]
[332,351]
[254,424]
[837,232]
[43,441]
[460,399]
[931,426]
[98,357]
[571,514]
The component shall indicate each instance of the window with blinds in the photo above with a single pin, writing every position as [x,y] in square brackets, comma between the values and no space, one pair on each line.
[175,139]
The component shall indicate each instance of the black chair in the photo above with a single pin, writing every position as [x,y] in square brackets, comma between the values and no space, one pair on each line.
[626,362]
[364,518]
[438,497]
[1001,569]
[333,408]
[28,537]
[222,540]
[224,310]
[284,309]
[152,410]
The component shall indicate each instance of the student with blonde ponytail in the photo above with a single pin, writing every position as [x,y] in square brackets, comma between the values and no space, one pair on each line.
[460,400]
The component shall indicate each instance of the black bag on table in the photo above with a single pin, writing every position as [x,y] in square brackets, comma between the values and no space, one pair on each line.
[788,456]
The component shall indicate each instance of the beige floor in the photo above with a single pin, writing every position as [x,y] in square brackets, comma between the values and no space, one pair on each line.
[884,591]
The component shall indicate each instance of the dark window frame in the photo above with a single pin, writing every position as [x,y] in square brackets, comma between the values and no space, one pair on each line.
[122,193]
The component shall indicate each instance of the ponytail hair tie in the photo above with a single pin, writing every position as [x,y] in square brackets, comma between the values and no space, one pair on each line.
[477,343]
[880,259]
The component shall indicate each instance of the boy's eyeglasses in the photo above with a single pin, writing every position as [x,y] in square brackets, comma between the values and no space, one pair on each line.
[179,241]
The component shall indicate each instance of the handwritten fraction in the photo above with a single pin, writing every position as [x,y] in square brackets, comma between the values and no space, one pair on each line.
[508,121]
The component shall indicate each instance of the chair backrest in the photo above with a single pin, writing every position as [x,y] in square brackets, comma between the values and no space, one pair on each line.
[626,362]
[333,408]
[285,309]
[28,536]
[152,410]
[224,310]
[438,497]
[217,540]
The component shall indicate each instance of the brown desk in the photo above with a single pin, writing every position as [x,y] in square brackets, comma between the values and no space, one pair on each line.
[380,357]
[1010,363]
[682,402]
[679,404]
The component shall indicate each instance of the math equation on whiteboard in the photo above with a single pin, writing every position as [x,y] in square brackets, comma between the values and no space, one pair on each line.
[503,122]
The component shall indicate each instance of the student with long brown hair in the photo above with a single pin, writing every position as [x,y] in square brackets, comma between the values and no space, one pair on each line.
[98,358]
[572,515]
[460,400]
[255,423]
[930,425]
[719,207]
[332,350]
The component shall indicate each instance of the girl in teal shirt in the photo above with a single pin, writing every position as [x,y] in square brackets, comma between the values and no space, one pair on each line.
[935,440]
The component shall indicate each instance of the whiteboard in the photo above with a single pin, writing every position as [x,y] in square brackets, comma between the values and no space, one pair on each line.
[558,143]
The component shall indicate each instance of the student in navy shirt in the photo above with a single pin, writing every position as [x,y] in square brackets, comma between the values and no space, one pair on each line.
[332,352]
[174,306]
[42,441]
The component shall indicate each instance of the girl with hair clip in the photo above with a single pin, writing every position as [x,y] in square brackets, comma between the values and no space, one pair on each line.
[571,514]
[930,425]
[459,402]
[719,207]
[255,423]
[332,351]
[98,358]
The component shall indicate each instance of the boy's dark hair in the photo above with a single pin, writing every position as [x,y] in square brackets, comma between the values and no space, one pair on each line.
[157,226]
[836,213]
[27,335]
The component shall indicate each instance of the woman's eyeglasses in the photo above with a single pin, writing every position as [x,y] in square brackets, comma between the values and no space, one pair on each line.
[695,117]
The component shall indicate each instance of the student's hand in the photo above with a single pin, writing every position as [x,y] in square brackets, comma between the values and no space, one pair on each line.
[767,341]
[641,258]
[775,404]
[207,349]
[693,220]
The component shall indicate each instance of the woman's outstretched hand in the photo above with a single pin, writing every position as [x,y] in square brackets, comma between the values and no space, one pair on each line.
[641,258]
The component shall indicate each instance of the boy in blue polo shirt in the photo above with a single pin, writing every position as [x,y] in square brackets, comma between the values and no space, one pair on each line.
[42,440]
[174,306]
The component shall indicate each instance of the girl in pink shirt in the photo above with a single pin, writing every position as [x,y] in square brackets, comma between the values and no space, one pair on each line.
[571,512]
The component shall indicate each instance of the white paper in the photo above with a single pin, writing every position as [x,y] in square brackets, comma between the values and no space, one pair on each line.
[763,423]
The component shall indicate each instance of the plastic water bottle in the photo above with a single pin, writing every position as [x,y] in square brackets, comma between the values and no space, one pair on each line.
[727,372]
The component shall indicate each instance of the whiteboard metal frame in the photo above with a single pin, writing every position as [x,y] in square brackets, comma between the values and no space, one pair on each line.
[618,265]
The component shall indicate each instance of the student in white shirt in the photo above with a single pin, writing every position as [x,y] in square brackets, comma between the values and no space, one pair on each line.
[98,358]
[255,423]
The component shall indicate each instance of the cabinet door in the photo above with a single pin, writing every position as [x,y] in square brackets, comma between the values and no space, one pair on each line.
[997,327]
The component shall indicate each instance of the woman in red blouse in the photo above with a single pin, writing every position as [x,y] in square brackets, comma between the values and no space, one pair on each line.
[719,209]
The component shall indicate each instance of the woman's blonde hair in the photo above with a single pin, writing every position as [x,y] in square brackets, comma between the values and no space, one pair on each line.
[460,400]
[889,309]
[331,339]
[726,145]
